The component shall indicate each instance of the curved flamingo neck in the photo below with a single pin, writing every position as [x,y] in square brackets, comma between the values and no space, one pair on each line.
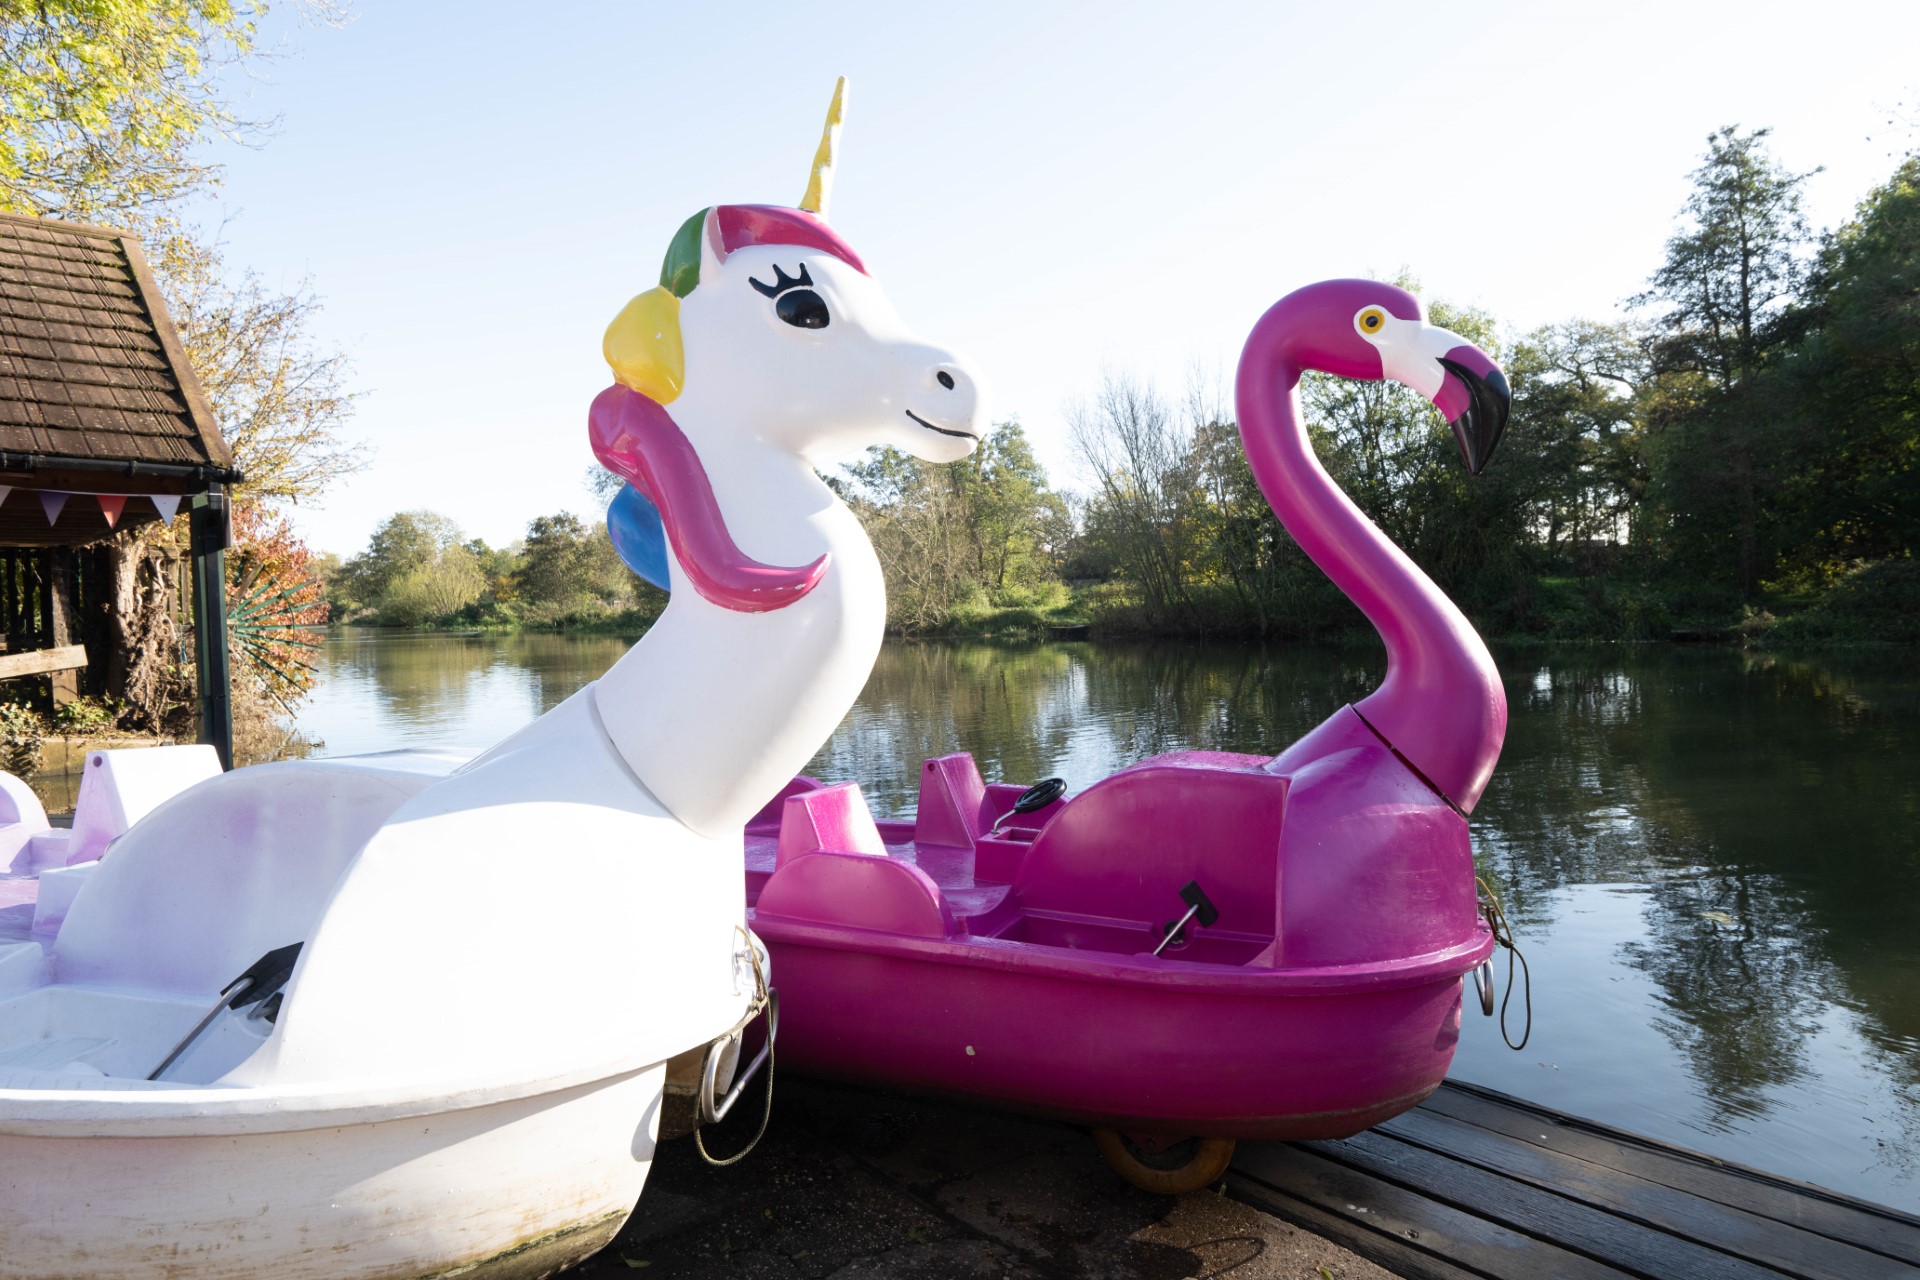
[1441,706]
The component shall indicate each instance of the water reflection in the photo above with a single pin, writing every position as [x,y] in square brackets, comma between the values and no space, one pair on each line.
[384,690]
[1708,855]
[1761,811]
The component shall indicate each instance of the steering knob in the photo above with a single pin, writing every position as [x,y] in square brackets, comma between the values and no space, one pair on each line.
[1040,795]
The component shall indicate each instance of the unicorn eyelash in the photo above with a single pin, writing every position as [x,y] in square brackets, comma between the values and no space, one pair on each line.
[782,281]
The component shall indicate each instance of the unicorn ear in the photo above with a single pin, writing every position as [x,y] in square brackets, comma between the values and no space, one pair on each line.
[643,346]
[712,249]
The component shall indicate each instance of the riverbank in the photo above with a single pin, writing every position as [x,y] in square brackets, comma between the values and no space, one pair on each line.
[1876,604]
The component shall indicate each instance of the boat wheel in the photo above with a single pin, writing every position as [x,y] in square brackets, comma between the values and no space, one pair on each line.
[1167,1168]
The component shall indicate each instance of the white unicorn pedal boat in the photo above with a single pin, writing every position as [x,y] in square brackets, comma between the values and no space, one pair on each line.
[411,1015]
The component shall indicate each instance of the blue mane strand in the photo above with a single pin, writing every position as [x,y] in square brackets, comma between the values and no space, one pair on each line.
[633,523]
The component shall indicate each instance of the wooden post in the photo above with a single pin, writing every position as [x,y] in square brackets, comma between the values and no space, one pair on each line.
[208,536]
[59,615]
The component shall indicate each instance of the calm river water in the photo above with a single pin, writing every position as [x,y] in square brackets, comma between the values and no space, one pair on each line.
[1712,859]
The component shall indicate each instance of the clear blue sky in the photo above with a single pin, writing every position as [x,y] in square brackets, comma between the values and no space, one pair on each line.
[475,189]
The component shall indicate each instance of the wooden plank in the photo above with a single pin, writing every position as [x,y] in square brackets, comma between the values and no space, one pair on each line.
[1719,1226]
[1395,1256]
[1393,1226]
[1628,1245]
[38,662]
[1816,1209]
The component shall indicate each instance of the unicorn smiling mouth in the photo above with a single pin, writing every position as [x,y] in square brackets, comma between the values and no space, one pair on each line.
[945,431]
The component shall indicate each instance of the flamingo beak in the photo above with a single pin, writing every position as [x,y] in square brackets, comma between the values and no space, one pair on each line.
[1476,399]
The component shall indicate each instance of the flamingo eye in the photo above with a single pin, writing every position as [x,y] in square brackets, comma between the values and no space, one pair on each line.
[803,309]
[1370,321]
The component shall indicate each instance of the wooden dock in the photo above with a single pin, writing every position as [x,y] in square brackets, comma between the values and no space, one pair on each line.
[1477,1185]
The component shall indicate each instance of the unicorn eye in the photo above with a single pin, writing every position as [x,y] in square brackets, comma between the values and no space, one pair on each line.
[802,308]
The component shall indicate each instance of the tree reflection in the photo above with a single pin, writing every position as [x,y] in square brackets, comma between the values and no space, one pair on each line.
[1077,710]
[465,690]
[1771,793]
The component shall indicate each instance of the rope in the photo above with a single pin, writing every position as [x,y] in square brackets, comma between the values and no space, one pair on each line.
[754,1008]
[1503,934]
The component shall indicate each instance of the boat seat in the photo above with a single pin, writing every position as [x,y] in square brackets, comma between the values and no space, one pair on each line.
[124,785]
[21,819]
[52,1053]
[858,890]
[69,1079]
[834,818]
[22,965]
[832,868]
[212,880]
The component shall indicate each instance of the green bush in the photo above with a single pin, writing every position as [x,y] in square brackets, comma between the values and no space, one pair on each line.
[22,730]
[433,591]
[1873,604]
[85,715]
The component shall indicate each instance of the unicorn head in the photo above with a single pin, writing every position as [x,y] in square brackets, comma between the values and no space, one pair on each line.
[766,320]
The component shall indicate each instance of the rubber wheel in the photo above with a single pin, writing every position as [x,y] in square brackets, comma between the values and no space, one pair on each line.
[1173,1170]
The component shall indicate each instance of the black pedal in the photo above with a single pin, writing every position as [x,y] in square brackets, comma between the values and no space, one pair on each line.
[1204,910]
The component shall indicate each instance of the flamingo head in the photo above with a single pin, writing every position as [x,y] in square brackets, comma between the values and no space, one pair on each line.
[1368,329]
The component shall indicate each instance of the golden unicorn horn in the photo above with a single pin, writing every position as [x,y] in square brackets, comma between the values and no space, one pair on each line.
[820,181]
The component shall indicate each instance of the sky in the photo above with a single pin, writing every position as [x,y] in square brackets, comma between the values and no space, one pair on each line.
[474,190]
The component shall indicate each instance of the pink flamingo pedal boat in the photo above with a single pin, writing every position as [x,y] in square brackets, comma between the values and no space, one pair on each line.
[1204,946]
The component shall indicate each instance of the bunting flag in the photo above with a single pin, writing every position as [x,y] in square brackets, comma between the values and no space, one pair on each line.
[112,505]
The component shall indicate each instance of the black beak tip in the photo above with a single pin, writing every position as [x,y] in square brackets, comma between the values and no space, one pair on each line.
[1479,428]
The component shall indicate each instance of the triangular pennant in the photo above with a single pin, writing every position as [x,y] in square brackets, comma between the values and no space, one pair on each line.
[51,501]
[166,504]
[111,505]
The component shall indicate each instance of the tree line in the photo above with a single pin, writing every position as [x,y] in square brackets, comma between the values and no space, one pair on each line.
[1739,456]
[419,569]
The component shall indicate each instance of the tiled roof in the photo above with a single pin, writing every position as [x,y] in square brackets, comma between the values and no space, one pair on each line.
[90,365]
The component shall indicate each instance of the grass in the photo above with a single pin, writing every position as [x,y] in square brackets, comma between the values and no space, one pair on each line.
[1876,604]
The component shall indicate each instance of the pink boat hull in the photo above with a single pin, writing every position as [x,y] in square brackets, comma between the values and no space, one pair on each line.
[934,957]
[1259,1059]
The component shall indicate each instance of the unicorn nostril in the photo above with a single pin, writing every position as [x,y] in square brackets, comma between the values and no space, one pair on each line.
[946,379]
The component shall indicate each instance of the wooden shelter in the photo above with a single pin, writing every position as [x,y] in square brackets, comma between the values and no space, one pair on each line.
[103,427]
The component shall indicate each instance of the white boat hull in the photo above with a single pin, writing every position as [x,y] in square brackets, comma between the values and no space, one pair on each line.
[514,1189]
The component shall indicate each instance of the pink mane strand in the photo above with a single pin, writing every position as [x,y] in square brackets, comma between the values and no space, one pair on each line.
[742,225]
[638,440]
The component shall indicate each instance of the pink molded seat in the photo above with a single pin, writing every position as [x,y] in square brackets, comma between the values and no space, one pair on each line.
[832,868]
[860,891]
[834,818]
